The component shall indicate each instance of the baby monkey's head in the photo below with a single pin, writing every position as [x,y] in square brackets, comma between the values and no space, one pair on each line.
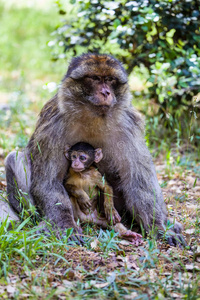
[82,156]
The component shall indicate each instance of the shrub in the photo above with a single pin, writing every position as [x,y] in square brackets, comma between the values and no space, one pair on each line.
[163,36]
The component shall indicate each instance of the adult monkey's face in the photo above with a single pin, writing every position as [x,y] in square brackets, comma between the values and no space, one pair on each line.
[96,81]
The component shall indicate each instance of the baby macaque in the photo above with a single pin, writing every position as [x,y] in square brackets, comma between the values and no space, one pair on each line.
[84,183]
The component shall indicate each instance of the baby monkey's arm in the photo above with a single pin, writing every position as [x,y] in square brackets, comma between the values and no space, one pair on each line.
[81,196]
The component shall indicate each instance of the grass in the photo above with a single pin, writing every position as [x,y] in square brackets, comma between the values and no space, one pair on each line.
[40,267]
[36,266]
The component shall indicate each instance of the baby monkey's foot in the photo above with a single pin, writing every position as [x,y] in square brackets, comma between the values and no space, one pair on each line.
[133,237]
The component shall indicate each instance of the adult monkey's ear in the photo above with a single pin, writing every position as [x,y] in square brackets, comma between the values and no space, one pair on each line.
[66,151]
[98,155]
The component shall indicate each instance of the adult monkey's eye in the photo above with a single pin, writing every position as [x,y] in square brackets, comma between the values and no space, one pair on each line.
[110,78]
[94,77]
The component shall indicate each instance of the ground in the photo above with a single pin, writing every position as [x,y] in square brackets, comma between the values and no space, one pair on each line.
[106,267]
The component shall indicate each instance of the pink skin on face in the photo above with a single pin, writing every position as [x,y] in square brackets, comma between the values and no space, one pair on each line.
[78,160]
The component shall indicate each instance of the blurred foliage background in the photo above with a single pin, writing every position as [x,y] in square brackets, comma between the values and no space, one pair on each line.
[157,41]
[28,76]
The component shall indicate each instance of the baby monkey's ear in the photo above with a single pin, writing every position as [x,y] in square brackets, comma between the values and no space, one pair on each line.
[66,151]
[98,155]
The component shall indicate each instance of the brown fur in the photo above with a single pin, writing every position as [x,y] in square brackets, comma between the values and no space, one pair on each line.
[73,115]
[85,186]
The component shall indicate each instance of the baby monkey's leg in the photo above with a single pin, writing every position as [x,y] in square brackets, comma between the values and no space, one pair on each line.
[94,218]
[111,213]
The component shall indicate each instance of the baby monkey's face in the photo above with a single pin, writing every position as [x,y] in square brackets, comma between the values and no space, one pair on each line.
[80,161]
[82,155]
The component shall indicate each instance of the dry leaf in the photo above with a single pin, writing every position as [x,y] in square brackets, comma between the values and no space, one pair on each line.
[191,180]
[2,289]
[197,259]
[114,264]
[196,188]
[60,290]
[125,243]
[37,289]
[192,267]
[67,283]
[191,206]
[132,296]
[197,254]
[94,244]
[120,258]
[101,285]
[153,275]
[11,289]
[172,182]
[176,295]
[133,265]
[190,231]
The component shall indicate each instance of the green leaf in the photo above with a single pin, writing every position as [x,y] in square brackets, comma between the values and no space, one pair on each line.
[116,23]
[169,40]
[170,33]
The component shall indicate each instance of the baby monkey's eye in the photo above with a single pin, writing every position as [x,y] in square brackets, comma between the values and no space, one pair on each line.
[73,156]
[83,158]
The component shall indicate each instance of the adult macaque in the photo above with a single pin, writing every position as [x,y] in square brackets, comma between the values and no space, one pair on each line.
[93,105]
[83,184]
